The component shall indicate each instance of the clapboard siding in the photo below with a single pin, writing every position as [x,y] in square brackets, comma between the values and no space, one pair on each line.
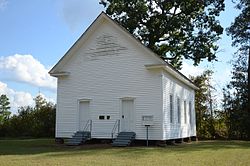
[107,65]
[178,90]
[105,81]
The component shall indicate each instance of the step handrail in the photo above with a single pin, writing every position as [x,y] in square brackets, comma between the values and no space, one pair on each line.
[116,127]
[88,125]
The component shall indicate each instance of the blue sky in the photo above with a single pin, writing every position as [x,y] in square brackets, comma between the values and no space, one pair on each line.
[35,34]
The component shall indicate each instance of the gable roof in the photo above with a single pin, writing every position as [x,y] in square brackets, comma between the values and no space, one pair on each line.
[103,16]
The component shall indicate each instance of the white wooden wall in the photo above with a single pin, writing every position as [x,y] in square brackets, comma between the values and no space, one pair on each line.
[178,90]
[106,68]
[110,65]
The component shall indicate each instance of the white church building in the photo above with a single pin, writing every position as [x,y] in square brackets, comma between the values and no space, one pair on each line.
[108,82]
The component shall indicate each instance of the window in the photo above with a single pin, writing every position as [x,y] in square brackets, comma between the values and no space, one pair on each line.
[171,109]
[185,112]
[101,117]
[108,117]
[178,110]
[190,112]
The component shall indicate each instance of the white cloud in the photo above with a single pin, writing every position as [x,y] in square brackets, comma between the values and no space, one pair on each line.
[17,98]
[26,69]
[3,4]
[191,70]
[20,98]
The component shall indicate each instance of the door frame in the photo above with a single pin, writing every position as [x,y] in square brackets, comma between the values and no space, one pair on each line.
[133,113]
[78,117]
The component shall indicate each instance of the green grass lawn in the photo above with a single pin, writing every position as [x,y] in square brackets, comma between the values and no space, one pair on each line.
[45,152]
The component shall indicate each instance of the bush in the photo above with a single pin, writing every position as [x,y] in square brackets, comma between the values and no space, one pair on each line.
[31,122]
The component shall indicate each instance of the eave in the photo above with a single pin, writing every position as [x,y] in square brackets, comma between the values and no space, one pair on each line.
[178,75]
[60,74]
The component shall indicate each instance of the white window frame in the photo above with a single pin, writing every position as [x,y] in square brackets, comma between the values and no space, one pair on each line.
[185,111]
[171,108]
[178,110]
[190,112]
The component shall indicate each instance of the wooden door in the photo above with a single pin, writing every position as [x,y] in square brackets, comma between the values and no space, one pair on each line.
[84,114]
[127,119]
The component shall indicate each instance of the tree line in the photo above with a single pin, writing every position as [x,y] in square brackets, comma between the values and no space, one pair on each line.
[37,121]
[231,119]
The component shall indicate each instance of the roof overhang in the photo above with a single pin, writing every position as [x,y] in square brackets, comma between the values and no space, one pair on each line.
[178,75]
[59,74]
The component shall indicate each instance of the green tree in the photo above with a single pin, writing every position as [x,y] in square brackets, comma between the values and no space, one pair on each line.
[235,101]
[22,125]
[240,33]
[204,114]
[44,125]
[39,101]
[4,108]
[37,121]
[44,117]
[172,29]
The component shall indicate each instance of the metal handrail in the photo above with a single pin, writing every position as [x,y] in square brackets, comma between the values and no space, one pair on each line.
[116,126]
[88,125]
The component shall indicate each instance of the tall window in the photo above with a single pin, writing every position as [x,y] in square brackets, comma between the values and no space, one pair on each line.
[179,110]
[190,112]
[171,109]
[185,112]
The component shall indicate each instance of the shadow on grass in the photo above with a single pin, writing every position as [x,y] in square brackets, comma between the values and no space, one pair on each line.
[43,146]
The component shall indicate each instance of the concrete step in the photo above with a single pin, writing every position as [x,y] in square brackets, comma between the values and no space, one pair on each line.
[79,137]
[124,139]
